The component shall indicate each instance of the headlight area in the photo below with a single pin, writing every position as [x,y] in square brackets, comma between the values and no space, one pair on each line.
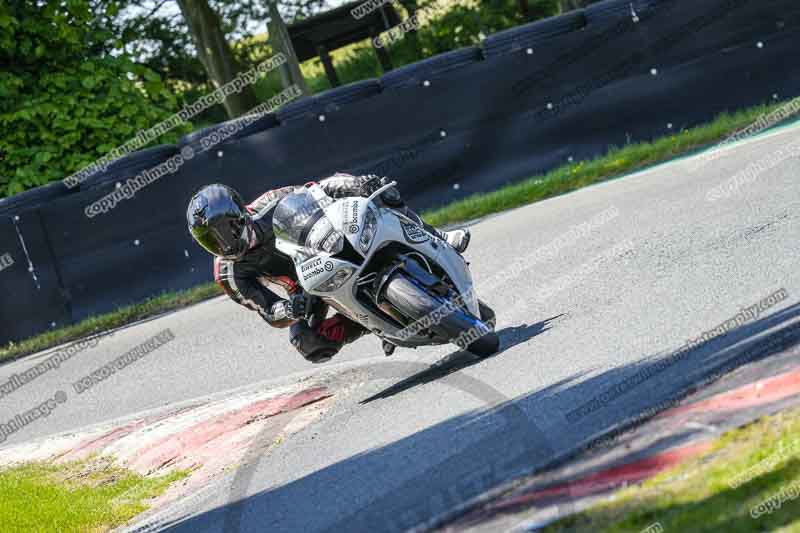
[368,233]
[334,243]
[336,281]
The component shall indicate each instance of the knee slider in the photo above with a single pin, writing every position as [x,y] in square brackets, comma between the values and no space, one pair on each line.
[311,345]
[322,355]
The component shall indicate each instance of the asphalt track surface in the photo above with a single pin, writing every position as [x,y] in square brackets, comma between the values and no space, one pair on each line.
[415,435]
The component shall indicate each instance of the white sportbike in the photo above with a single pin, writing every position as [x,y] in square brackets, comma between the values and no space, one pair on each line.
[383,270]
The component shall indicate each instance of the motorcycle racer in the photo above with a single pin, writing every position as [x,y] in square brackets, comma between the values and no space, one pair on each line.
[246,262]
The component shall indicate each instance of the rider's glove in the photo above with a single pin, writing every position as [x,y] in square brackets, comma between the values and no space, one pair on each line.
[298,306]
[372,184]
[391,196]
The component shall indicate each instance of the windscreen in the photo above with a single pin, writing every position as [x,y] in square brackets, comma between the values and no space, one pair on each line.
[300,219]
[295,215]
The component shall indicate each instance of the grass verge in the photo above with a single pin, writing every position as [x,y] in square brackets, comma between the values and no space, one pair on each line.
[615,163]
[81,496]
[97,324]
[719,491]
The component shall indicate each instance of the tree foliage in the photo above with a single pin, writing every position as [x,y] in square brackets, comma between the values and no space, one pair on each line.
[81,77]
[68,94]
[467,24]
[155,33]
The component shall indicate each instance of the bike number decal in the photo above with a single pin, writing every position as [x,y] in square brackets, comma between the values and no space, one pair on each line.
[414,234]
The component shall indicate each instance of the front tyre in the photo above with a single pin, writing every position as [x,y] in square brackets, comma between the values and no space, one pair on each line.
[489,343]
[487,313]
[458,326]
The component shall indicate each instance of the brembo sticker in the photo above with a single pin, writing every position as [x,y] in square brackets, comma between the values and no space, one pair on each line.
[354,218]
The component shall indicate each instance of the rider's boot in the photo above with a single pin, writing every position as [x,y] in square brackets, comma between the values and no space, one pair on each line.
[458,239]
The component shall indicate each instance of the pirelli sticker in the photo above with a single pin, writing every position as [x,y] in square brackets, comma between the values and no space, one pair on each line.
[315,267]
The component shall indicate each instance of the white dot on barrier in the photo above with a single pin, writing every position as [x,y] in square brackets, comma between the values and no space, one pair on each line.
[52,324]
[16,218]
[549,105]
[570,159]
[136,242]
[456,186]
[118,185]
[760,44]
[426,83]
[186,252]
[654,71]
[529,51]
[669,126]
[443,133]
[219,153]
[322,118]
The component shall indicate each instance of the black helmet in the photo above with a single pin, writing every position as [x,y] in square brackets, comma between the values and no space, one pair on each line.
[219,221]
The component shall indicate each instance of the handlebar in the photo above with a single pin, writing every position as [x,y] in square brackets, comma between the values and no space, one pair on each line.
[379,191]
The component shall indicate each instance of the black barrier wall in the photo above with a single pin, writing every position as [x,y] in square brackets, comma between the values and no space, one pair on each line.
[525,101]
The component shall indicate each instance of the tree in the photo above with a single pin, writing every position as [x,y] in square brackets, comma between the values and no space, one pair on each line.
[68,93]
[280,42]
[411,7]
[157,36]
[160,36]
[215,54]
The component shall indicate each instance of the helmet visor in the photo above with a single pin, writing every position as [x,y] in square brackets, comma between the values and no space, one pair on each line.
[226,238]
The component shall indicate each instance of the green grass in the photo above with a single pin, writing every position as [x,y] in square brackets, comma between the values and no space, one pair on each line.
[120,317]
[617,162]
[697,496]
[74,497]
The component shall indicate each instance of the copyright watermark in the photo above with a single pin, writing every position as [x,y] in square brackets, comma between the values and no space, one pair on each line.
[21,420]
[144,137]
[6,261]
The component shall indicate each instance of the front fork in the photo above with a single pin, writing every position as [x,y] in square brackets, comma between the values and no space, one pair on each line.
[413,268]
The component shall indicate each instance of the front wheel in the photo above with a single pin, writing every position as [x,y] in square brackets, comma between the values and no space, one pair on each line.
[431,312]
[489,343]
